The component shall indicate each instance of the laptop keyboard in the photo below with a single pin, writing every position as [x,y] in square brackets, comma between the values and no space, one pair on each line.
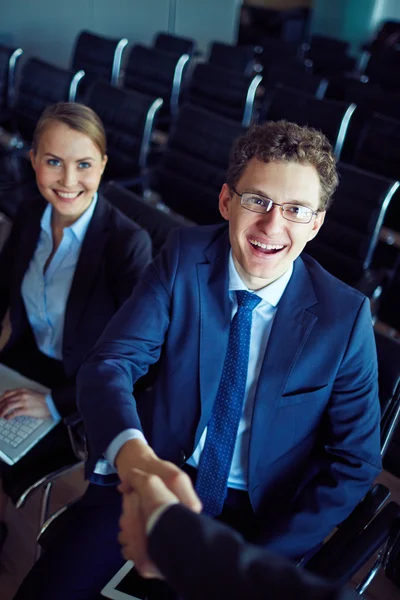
[15,431]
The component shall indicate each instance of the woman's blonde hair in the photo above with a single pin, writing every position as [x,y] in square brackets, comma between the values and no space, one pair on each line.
[76,116]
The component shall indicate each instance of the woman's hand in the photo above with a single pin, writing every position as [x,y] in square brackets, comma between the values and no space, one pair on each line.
[23,401]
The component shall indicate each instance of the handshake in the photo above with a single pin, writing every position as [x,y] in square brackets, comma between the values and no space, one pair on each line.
[145,498]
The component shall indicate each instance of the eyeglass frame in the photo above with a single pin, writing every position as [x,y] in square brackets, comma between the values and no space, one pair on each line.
[314,213]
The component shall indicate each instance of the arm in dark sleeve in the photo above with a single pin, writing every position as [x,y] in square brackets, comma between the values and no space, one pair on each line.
[7,258]
[350,454]
[131,342]
[201,558]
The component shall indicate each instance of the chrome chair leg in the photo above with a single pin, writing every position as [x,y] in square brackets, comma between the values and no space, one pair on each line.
[44,512]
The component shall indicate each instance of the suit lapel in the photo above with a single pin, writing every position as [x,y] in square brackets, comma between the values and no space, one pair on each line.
[87,268]
[215,318]
[292,326]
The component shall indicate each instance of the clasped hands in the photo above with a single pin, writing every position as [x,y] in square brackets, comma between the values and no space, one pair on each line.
[23,401]
[157,483]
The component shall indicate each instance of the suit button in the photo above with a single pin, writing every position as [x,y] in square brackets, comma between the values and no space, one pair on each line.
[183,457]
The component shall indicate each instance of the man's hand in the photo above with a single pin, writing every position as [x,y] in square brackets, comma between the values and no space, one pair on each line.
[136,454]
[23,401]
[143,494]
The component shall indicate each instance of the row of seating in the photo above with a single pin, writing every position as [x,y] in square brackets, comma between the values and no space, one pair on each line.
[197,152]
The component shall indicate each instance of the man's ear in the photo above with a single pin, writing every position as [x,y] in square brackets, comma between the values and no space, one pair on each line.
[225,198]
[318,222]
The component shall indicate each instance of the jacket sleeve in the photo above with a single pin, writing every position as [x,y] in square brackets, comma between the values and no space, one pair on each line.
[7,259]
[131,342]
[350,451]
[201,558]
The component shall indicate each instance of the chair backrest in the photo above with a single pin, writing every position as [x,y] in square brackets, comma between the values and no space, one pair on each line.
[330,56]
[322,44]
[234,58]
[100,57]
[347,240]
[223,92]
[276,50]
[128,118]
[388,351]
[383,68]
[40,85]
[174,44]
[157,223]
[156,73]
[192,170]
[296,78]
[8,62]
[378,148]
[329,116]
[371,98]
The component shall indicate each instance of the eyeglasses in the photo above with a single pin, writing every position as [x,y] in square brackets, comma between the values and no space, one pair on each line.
[291,212]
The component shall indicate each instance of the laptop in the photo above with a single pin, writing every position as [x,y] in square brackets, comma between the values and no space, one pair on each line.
[19,435]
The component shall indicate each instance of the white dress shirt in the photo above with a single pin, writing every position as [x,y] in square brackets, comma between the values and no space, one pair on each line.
[262,320]
[45,294]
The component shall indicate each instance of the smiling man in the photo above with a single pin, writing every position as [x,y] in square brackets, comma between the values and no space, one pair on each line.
[266,386]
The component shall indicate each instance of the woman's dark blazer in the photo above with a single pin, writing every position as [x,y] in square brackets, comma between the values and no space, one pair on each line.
[114,253]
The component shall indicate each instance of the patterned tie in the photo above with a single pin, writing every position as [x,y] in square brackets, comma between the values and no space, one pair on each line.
[216,458]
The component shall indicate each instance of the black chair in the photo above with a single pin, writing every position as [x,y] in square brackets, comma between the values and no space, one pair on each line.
[158,223]
[233,58]
[383,68]
[128,118]
[288,25]
[346,243]
[369,97]
[192,169]
[9,58]
[223,92]
[156,73]
[100,58]
[41,84]
[329,55]
[332,118]
[166,42]
[369,528]
[378,148]
[297,78]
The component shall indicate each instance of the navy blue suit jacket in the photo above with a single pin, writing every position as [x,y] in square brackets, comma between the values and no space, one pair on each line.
[114,254]
[314,443]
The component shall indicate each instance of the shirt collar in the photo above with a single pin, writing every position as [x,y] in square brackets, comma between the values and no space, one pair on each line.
[78,228]
[271,293]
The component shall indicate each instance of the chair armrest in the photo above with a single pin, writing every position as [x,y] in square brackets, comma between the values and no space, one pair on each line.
[77,435]
[356,553]
[72,419]
[348,531]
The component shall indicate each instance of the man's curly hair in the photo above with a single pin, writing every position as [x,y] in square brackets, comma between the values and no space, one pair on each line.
[282,141]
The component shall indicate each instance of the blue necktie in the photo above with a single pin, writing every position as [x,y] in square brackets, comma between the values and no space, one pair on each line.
[216,458]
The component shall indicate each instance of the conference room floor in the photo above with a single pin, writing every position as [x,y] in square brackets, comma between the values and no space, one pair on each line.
[19,549]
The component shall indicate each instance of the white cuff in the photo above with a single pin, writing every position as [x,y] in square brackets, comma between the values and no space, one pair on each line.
[121,439]
[155,516]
